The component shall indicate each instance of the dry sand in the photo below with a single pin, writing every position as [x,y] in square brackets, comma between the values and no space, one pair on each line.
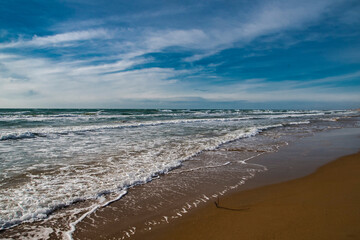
[323,205]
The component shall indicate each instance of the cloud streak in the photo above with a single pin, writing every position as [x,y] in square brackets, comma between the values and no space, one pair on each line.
[53,40]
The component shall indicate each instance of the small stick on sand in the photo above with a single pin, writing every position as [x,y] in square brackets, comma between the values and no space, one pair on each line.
[217,202]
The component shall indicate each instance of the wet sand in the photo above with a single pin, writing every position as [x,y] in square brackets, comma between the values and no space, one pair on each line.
[323,205]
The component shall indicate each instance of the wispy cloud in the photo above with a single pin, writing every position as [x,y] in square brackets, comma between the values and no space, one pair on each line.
[185,38]
[270,18]
[262,90]
[39,41]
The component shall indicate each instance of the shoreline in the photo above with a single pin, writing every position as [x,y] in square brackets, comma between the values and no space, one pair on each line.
[149,209]
[296,160]
[322,205]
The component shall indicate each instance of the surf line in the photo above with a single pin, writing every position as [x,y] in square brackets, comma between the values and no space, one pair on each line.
[72,225]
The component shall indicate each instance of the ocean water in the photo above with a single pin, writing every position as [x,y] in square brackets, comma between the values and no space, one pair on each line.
[53,158]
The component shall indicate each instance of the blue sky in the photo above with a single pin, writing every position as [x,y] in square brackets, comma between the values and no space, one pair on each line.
[180,54]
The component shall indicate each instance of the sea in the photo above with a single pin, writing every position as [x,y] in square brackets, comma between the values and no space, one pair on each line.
[59,166]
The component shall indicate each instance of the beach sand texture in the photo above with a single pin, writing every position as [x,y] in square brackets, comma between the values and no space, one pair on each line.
[323,205]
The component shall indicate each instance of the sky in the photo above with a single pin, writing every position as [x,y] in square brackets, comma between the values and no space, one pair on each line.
[180,54]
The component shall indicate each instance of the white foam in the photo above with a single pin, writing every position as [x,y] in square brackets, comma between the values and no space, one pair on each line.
[298,123]
[38,233]
[72,225]
[199,168]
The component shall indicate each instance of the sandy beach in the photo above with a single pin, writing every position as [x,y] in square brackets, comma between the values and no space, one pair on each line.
[323,205]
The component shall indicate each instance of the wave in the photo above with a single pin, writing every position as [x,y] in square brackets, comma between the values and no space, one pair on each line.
[16,136]
[43,132]
[103,115]
[296,123]
[46,131]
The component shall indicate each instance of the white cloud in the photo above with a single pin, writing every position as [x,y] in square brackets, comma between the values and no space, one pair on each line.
[67,37]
